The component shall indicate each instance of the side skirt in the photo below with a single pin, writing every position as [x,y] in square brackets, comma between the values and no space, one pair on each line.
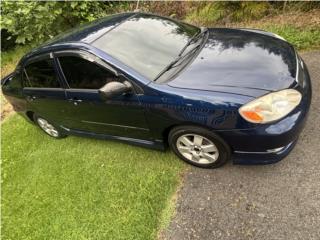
[157,144]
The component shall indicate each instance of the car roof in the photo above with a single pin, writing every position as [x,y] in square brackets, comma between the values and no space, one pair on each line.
[80,37]
[89,32]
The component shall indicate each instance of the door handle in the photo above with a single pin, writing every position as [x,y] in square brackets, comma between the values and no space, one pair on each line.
[75,101]
[31,98]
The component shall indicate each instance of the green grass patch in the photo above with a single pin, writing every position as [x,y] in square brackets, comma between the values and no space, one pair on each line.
[302,39]
[170,209]
[80,188]
[14,55]
[206,15]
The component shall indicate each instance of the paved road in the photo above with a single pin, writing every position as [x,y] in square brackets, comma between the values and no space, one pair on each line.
[280,201]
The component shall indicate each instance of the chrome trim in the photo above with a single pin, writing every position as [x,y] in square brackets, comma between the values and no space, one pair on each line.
[67,129]
[274,150]
[297,68]
[115,125]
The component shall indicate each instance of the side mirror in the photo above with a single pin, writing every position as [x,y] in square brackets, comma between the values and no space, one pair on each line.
[114,89]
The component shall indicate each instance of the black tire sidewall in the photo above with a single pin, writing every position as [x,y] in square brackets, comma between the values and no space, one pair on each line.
[60,133]
[224,149]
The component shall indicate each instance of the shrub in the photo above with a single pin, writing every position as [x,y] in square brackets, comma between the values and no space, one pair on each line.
[7,40]
[38,21]
[209,13]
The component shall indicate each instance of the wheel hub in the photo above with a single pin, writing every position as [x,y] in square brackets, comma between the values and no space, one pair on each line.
[197,148]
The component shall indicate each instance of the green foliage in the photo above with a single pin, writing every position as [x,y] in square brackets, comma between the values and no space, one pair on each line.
[239,11]
[38,21]
[299,5]
[221,12]
[204,14]
[80,188]
[302,39]
[176,9]
[13,55]
[208,13]
[7,40]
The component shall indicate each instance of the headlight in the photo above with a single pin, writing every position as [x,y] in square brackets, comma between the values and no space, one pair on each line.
[270,107]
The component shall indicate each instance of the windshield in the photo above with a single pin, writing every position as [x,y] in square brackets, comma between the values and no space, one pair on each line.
[147,43]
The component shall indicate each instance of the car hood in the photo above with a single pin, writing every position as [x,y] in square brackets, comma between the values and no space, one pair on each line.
[242,62]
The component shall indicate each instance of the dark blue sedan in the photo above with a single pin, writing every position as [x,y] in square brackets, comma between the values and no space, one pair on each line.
[210,94]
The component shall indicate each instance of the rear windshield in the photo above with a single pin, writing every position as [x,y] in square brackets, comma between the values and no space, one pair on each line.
[146,43]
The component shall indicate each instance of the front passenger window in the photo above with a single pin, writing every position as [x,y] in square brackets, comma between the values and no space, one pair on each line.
[83,74]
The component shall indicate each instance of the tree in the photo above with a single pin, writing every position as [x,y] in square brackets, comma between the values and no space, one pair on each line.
[39,21]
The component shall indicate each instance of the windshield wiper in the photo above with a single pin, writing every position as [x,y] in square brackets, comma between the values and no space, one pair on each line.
[171,65]
[193,39]
[180,56]
[167,68]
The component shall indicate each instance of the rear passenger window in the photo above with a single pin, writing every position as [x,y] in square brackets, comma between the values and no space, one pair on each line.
[41,74]
[83,74]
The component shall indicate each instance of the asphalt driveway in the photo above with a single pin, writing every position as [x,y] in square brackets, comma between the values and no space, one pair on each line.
[279,201]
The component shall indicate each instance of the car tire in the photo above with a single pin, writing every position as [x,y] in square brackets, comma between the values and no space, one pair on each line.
[49,128]
[199,146]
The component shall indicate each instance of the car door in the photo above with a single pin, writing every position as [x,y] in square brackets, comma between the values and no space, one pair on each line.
[42,88]
[85,74]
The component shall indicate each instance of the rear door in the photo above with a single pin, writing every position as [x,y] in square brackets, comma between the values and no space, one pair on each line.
[42,88]
[85,74]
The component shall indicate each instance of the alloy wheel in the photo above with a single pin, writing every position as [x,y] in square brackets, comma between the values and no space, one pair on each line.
[47,127]
[197,148]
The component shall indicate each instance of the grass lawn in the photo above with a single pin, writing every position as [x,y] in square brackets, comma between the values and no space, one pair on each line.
[80,188]
[307,38]
[301,29]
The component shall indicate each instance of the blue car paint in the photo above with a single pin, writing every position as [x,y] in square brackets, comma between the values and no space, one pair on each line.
[240,60]
[184,101]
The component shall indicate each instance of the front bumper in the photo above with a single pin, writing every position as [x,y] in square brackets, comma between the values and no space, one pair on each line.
[269,143]
[259,158]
